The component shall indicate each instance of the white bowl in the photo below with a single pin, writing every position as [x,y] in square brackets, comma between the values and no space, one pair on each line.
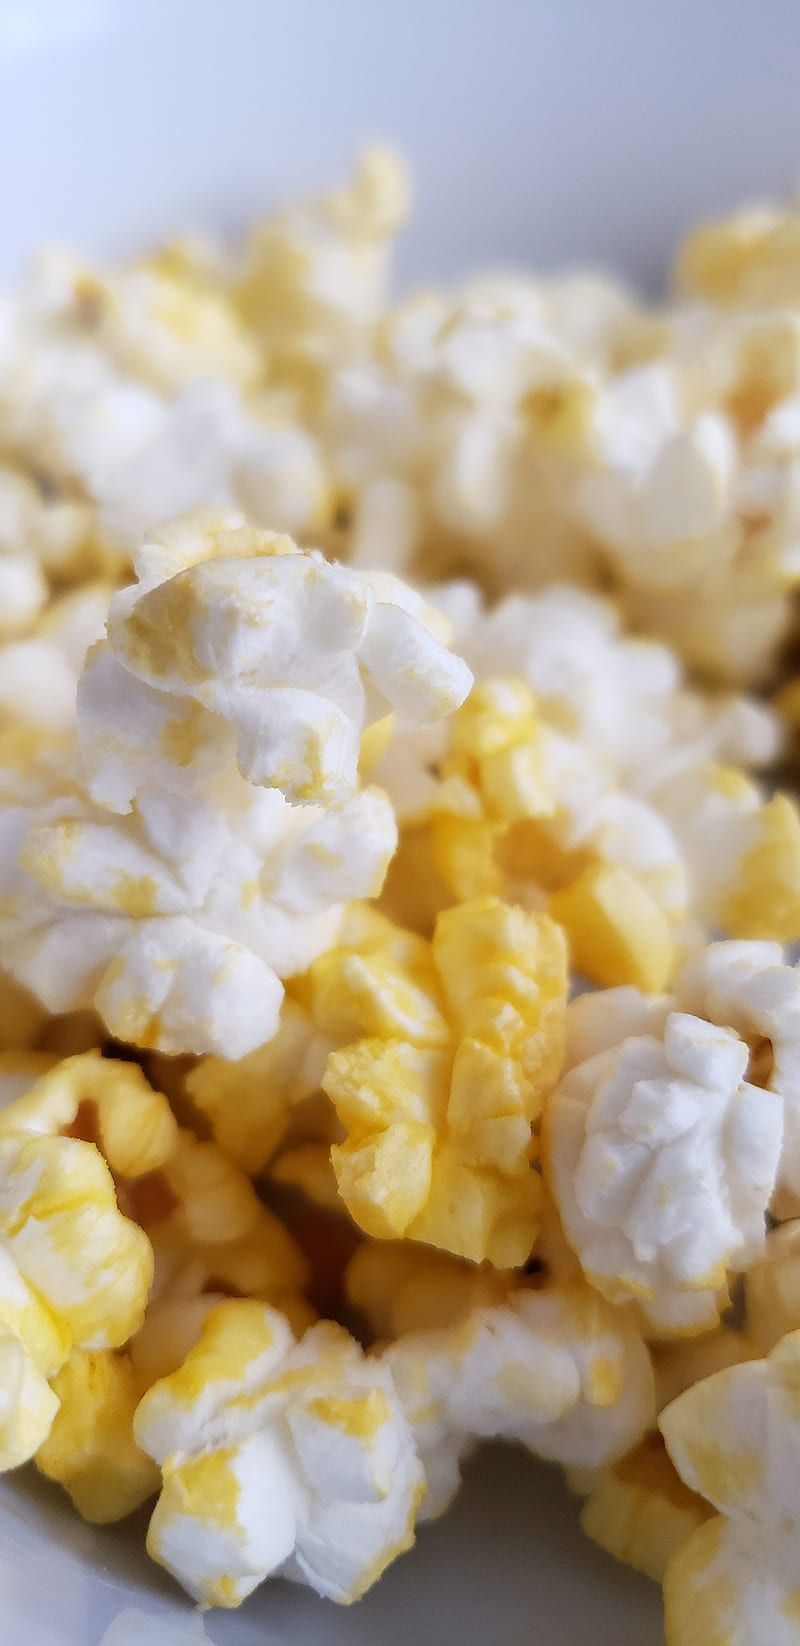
[539,132]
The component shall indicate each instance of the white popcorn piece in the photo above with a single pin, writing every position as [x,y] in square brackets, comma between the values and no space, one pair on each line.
[176,922]
[662,1159]
[558,1370]
[278,1458]
[749,988]
[235,632]
[733,1439]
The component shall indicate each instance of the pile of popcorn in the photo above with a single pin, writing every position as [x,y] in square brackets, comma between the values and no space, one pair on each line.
[399,1037]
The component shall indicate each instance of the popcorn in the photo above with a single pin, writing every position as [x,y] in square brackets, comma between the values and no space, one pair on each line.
[438,1100]
[747,987]
[772,1289]
[59,1220]
[731,1439]
[172,952]
[640,1511]
[557,1370]
[235,632]
[27,1403]
[662,1158]
[89,1449]
[278,1458]
[398,1288]
[192,854]
[525,812]
[313,280]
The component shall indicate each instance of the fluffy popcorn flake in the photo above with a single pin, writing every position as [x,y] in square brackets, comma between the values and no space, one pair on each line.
[662,1158]
[558,1370]
[438,1101]
[278,1458]
[748,987]
[733,1439]
[235,632]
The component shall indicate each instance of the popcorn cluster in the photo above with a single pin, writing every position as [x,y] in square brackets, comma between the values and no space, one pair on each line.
[319,1164]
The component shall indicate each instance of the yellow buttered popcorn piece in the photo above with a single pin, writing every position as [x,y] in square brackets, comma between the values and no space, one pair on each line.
[765,900]
[90,1449]
[438,1101]
[398,1287]
[616,930]
[521,810]
[641,1512]
[733,1438]
[248,1104]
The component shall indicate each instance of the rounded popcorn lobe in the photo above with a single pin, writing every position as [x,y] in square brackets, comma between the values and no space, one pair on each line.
[662,1159]
[289,656]
[174,920]
[278,1458]
[772,1289]
[438,1101]
[749,987]
[90,1449]
[520,809]
[27,1403]
[732,1439]
[558,1370]
[398,1287]
[640,1511]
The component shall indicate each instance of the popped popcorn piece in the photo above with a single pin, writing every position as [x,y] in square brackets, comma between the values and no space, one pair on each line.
[438,1100]
[662,1158]
[640,1512]
[313,280]
[90,1449]
[520,810]
[772,1289]
[249,1104]
[747,987]
[174,921]
[236,633]
[748,259]
[278,1458]
[558,1370]
[732,1438]
[399,1288]
[681,1364]
[27,1403]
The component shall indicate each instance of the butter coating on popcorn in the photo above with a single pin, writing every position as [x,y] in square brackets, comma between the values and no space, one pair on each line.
[662,1158]
[733,1439]
[438,1101]
[278,1458]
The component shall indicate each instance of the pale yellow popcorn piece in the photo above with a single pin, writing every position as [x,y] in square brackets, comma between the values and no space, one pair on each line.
[772,1289]
[90,1449]
[248,1104]
[640,1511]
[438,1103]
[733,1438]
[399,1287]
[60,1222]
[750,258]
[27,1403]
